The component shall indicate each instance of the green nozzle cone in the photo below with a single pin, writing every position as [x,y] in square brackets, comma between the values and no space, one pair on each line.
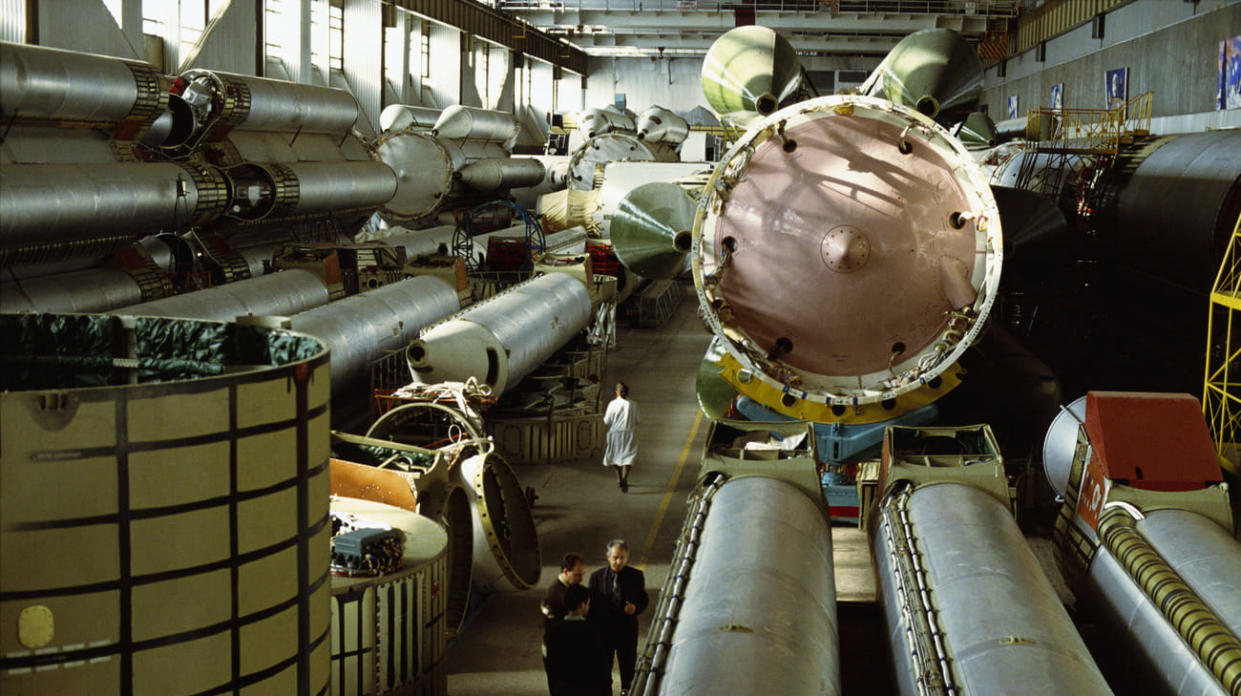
[978,132]
[715,396]
[651,229]
[934,71]
[748,71]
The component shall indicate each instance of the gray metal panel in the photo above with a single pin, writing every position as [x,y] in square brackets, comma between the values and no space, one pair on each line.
[782,605]
[65,202]
[534,320]
[359,329]
[1004,627]
[1211,565]
[283,294]
[47,83]
[1139,623]
[94,290]
[277,105]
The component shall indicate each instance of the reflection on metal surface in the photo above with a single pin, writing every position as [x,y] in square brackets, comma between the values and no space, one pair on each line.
[651,230]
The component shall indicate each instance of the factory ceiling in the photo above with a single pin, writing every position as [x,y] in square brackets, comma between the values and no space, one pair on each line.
[814,27]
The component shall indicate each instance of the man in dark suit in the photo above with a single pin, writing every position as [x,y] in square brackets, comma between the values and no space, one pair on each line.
[618,595]
[575,654]
[572,571]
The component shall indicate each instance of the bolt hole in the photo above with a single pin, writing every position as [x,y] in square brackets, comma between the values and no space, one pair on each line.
[957,220]
[790,145]
[782,347]
[788,400]
[888,404]
[905,147]
[898,348]
[838,410]
[730,244]
[934,382]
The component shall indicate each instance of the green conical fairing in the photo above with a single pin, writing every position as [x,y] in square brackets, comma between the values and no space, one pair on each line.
[647,227]
[748,71]
[934,71]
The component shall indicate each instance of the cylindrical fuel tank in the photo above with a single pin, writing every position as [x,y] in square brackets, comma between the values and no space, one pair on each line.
[55,85]
[398,116]
[502,340]
[282,294]
[747,623]
[274,105]
[424,167]
[360,328]
[859,283]
[933,71]
[748,71]
[325,187]
[612,147]
[506,543]
[1188,183]
[599,121]
[42,204]
[492,174]
[459,122]
[659,125]
[169,535]
[952,555]
[1210,565]
[93,290]
[388,631]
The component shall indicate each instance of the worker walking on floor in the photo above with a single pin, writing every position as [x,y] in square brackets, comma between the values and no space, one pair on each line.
[621,418]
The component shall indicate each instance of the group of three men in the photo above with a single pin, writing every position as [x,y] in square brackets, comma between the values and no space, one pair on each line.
[584,626]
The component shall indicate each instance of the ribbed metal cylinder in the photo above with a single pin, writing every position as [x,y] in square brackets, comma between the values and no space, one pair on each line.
[659,125]
[283,294]
[492,174]
[503,339]
[94,290]
[167,536]
[506,543]
[54,204]
[360,328]
[51,84]
[1210,566]
[753,620]
[1206,635]
[388,631]
[459,122]
[993,615]
[277,105]
[325,187]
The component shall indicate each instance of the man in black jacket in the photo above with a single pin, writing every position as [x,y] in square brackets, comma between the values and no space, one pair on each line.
[575,656]
[618,595]
[572,571]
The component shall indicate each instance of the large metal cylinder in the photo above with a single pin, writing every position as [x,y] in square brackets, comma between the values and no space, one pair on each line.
[360,328]
[277,105]
[1192,184]
[325,187]
[492,174]
[55,85]
[459,122]
[994,623]
[93,290]
[506,543]
[599,121]
[503,339]
[424,167]
[388,631]
[1211,565]
[612,147]
[43,204]
[170,535]
[399,116]
[283,294]
[659,125]
[751,620]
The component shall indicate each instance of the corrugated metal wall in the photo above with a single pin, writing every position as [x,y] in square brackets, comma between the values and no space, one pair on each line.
[363,58]
[229,43]
[13,21]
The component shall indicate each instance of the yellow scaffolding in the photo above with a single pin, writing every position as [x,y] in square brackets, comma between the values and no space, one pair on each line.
[1221,397]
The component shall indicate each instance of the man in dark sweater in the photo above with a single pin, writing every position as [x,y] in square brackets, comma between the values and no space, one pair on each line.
[572,570]
[618,595]
[575,654]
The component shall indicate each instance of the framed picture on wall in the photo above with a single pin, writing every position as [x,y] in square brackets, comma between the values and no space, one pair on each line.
[1057,96]
[1012,107]
[1222,85]
[1116,87]
[1232,78]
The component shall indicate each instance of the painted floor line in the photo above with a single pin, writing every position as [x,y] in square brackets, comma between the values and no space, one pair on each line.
[672,485]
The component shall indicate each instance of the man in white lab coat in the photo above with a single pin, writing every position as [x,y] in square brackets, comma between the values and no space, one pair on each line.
[621,418]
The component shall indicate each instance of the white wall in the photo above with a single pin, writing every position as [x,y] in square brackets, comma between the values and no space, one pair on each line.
[673,83]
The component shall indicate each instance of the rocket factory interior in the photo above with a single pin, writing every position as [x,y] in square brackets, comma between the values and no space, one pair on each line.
[312,309]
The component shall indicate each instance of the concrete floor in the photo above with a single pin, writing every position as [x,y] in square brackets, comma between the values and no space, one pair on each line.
[580,508]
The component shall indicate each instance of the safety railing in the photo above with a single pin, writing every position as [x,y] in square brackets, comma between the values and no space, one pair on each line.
[977,8]
[1089,131]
